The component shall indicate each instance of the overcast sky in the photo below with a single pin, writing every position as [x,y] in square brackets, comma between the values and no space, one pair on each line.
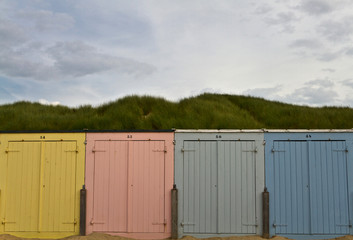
[77,52]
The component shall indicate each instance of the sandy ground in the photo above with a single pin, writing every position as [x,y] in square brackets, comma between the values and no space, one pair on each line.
[101,236]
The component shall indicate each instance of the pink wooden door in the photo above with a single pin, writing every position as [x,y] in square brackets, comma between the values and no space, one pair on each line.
[146,187]
[129,187]
[110,186]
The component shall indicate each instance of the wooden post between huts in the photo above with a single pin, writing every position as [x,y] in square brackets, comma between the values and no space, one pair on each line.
[83,196]
[174,212]
[266,213]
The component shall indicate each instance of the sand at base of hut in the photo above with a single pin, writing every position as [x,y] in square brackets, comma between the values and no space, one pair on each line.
[102,236]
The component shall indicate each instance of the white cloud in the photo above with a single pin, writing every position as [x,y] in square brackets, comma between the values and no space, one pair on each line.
[44,20]
[330,70]
[327,56]
[316,7]
[46,102]
[349,51]
[78,59]
[285,20]
[317,92]
[11,34]
[102,50]
[267,93]
[313,96]
[309,44]
[305,43]
[320,83]
[337,30]
[263,9]
[348,83]
[66,59]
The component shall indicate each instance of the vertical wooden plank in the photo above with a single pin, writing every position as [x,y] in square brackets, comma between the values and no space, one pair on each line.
[41,187]
[204,191]
[234,188]
[197,191]
[221,198]
[189,154]
[213,159]
[294,185]
[238,199]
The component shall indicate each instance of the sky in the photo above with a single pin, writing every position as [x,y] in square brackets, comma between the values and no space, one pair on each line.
[79,52]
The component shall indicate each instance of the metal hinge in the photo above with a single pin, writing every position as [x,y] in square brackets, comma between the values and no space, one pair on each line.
[76,150]
[188,150]
[74,222]
[6,222]
[157,150]
[92,222]
[280,225]
[254,150]
[340,150]
[183,224]
[163,223]
[95,150]
[250,224]
[8,150]
[274,150]
[344,225]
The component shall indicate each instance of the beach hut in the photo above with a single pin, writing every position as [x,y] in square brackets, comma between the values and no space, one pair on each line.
[219,178]
[129,178]
[41,175]
[309,177]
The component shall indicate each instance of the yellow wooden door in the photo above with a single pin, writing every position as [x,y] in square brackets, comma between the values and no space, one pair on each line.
[57,194]
[22,186]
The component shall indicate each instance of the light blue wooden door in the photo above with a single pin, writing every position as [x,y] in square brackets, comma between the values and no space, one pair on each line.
[328,187]
[291,189]
[310,187]
[200,187]
[219,183]
[236,187]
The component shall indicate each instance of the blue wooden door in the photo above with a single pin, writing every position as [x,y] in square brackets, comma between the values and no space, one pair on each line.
[328,187]
[310,191]
[291,189]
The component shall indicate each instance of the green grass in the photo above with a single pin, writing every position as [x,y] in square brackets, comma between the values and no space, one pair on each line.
[206,111]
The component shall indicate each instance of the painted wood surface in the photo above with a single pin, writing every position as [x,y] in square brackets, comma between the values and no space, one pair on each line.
[129,178]
[219,176]
[309,178]
[41,175]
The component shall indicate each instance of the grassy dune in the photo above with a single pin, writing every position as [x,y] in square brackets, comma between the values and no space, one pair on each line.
[206,111]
